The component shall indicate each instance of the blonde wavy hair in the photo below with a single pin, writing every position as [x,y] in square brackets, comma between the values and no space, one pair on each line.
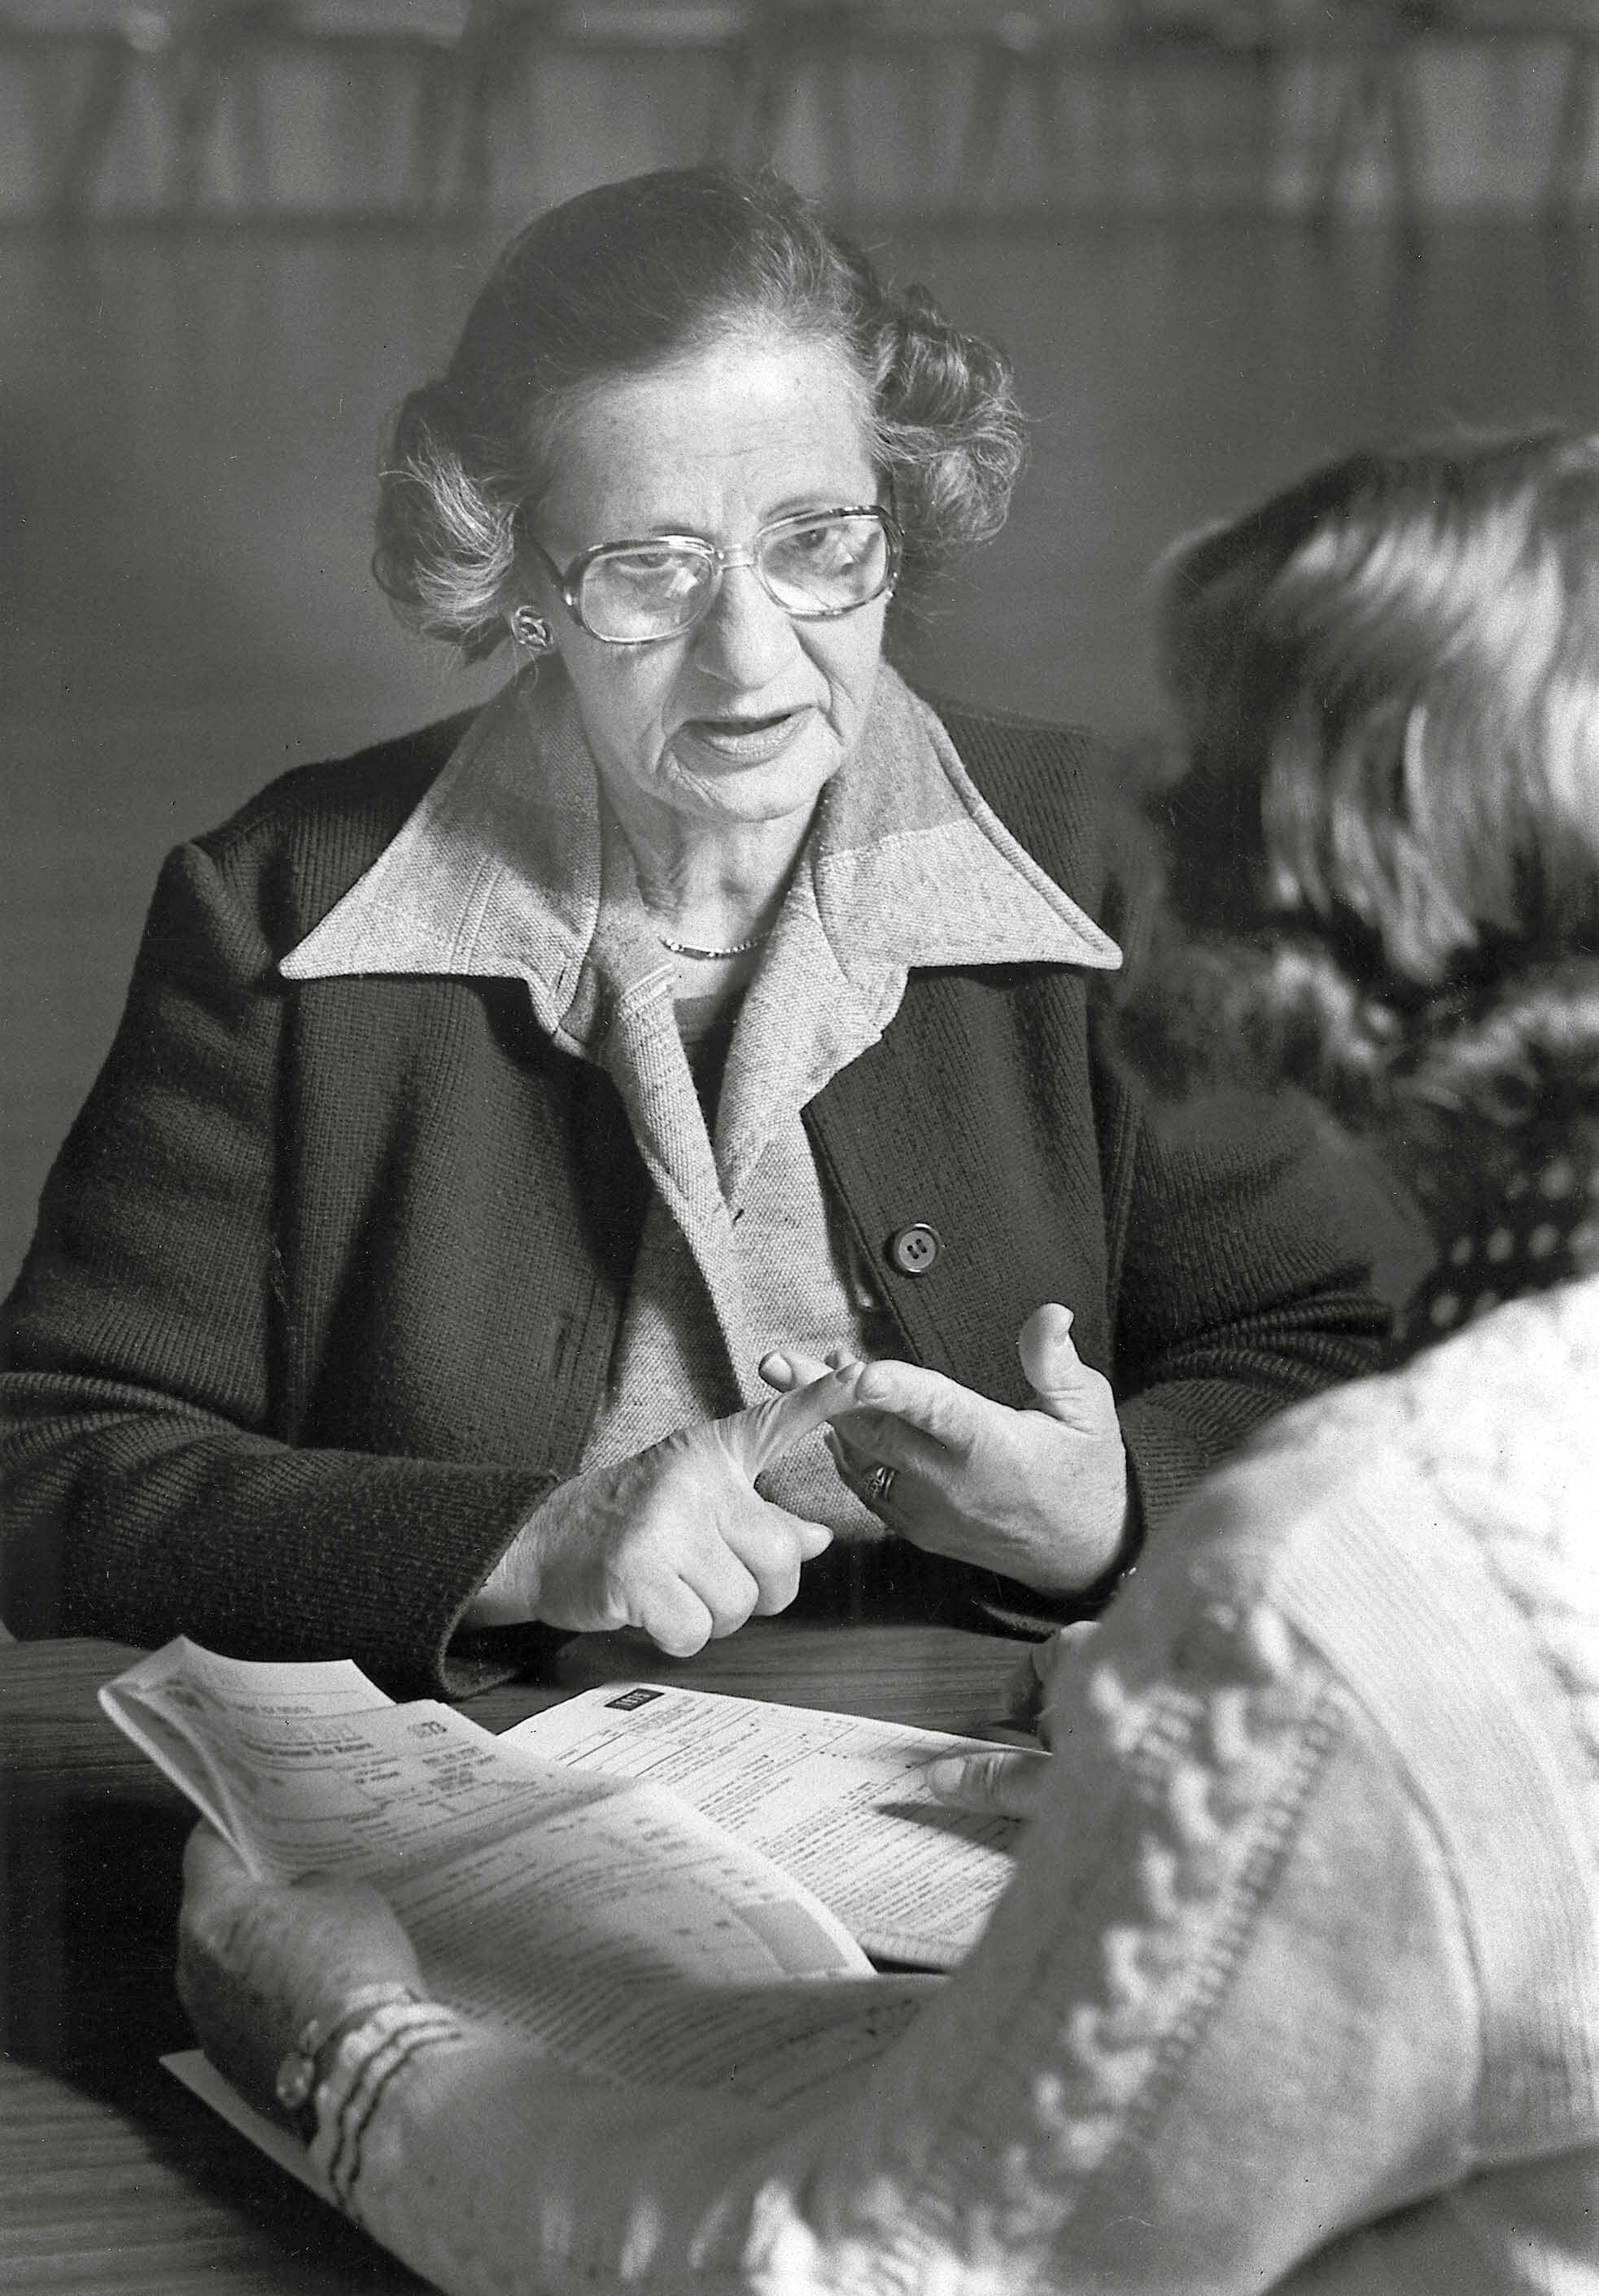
[1387,680]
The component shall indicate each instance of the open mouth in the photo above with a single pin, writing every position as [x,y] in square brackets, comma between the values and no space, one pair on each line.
[747,739]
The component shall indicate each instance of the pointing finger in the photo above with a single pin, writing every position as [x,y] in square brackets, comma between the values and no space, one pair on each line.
[766,1430]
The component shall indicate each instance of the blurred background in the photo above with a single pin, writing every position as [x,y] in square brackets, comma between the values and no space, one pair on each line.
[1220,241]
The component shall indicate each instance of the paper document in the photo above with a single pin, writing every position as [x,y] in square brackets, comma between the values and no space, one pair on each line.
[838,1801]
[275,2138]
[606,1920]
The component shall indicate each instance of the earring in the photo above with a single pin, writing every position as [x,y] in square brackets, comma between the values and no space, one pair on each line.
[531,631]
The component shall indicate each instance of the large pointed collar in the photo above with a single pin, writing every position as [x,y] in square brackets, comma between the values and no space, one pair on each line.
[913,866]
[496,873]
[500,869]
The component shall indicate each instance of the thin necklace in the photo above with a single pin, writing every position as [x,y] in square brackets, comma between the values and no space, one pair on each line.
[712,956]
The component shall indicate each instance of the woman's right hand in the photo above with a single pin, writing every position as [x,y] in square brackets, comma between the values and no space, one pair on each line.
[676,1539]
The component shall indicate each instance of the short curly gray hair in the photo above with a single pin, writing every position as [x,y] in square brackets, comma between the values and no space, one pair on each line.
[624,279]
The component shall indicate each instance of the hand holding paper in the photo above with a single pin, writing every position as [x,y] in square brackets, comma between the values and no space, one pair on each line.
[257,1959]
[602,1920]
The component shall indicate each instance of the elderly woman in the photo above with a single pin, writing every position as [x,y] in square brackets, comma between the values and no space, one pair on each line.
[487,1106]
[1297,1986]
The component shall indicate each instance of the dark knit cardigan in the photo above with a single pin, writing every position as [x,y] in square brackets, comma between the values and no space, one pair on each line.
[327,1275]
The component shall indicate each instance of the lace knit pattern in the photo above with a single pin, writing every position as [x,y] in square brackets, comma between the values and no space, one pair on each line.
[1221,1735]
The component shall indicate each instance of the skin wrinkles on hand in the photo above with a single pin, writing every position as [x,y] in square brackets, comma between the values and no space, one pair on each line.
[674,1540]
[1040,1494]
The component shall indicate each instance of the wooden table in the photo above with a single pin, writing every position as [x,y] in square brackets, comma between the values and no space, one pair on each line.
[113,2180]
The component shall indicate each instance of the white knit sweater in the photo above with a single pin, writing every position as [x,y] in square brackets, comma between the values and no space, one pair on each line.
[1297,1986]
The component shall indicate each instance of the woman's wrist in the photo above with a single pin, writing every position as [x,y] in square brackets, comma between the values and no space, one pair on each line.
[1122,1560]
[304,2064]
[358,2069]
[509,1596]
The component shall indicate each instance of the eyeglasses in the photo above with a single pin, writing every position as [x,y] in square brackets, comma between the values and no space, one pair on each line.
[815,565]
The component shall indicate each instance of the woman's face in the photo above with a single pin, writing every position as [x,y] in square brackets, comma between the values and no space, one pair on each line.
[745,717]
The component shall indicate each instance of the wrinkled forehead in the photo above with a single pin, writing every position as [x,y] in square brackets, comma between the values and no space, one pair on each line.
[713,349]
[717,442]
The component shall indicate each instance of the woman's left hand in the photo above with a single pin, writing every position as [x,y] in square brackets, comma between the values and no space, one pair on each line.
[1007,1781]
[1039,1494]
[257,1959]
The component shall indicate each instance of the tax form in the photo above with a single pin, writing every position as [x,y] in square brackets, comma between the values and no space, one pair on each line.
[837,1800]
[604,1921]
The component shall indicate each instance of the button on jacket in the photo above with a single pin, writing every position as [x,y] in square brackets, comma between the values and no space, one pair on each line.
[330,1273]
[912,1250]
[509,869]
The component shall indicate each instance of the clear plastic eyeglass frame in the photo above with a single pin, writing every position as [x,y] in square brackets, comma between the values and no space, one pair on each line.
[692,550]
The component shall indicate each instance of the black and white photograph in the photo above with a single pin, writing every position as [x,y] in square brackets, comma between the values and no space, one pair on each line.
[799,1173]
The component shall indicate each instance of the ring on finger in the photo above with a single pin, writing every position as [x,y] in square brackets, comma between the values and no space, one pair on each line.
[880,1483]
